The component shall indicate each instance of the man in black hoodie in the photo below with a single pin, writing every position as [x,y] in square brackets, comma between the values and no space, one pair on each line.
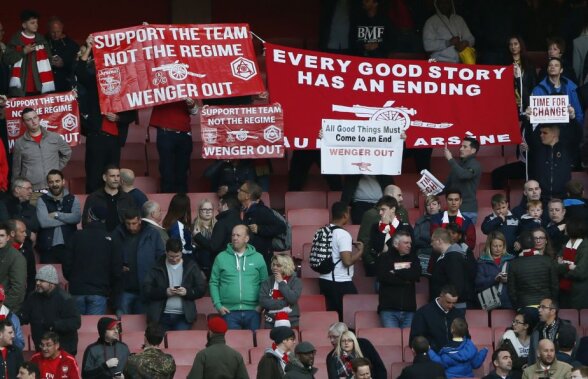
[108,356]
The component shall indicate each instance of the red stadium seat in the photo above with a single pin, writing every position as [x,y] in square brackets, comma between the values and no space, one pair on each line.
[353,230]
[367,319]
[134,340]
[302,234]
[251,370]
[319,338]
[317,320]
[256,353]
[488,164]
[312,303]
[409,199]
[396,368]
[382,336]
[571,315]
[183,371]
[481,336]
[497,334]
[502,317]
[310,286]
[414,214]
[239,338]
[204,305]
[147,184]
[201,322]
[389,354]
[584,317]
[477,317]
[182,357]
[354,303]
[162,199]
[308,216]
[332,197]
[484,202]
[305,199]
[307,272]
[186,339]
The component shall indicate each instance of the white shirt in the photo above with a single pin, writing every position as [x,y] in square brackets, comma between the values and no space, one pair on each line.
[341,242]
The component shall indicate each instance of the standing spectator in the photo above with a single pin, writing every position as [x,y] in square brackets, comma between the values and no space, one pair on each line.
[58,212]
[171,287]
[422,230]
[218,360]
[517,341]
[11,356]
[28,54]
[227,218]
[502,361]
[19,240]
[18,205]
[53,361]
[422,365]
[262,222]
[51,309]
[174,143]
[531,191]
[301,366]
[501,219]
[38,151]
[465,175]
[446,34]
[279,293]
[547,365]
[234,291]
[362,192]
[64,51]
[13,271]
[373,34]
[110,197]
[573,266]
[178,221]
[108,355]
[453,214]
[7,314]
[389,224]
[542,243]
[4,69]
[557,224]
[227,176]
[151,362]
[93,278]
[432,320]
[492,267]
[398,270]
[28,370]
[127,184]
[274,359]
[339,282]
[140,246]
[202,234]
[152,215]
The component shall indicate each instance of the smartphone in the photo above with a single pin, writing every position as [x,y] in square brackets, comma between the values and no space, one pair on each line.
[118,373]
[176,287]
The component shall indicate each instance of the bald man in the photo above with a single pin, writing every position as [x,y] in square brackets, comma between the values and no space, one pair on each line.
[547,365]
[127,182]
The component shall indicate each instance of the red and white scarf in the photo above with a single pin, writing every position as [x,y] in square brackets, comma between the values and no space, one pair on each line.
[280,314]
[43,67]
[529,253]
[389,229]
[458,219]
[569,256]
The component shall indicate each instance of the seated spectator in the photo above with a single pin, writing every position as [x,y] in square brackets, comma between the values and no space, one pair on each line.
[557,224]
[453,214]
[127,184]
[547,365]
[54,362]
[151,362]
[279,293]
[301,366]
[107,356]
[11,356]
[202,234]
[178,221]
[460,356]
[492,267]
[573,265]
[171,287]
[579,373]
[7,314]
[422,365]
[28,370]
[556,48]
[533,218]
[517,340]
[501,219]
[574,201]
[502,362]
[362,368]
[422,231]
[275,358]
[368,350]
[566,343]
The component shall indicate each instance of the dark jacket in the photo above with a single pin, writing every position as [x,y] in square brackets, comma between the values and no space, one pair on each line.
[157,282]
[13,275]
[218,361]
[221,233]
[13,361]
[422,232]
[397,286]
[465,175]
[542,332]
[508,227]
[67,49]
[431,322]
[122,201]
[552,168]
[532,279]
[290,291]
[268,226]
[423,368]
[468,229]
[26,250]
[379,371]
[22,211]
[296,370]
[269,366]
[578,276]
[486,276]
[92,265]
[494,375]
[55,311]
[96,355]
[452,268]
[377,237]
[223,173]
[461,360]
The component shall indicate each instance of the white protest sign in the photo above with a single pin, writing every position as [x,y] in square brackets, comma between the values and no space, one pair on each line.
[429,184]
[365,147]
[549,109]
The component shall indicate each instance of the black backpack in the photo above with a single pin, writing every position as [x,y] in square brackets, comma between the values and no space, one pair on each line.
[321,252]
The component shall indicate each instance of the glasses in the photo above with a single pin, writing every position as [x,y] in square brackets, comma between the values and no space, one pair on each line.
[46,345]
[26,188]
[515,322]
[207,210]
[545,307]
[242,190]
[540,238]
[347,340]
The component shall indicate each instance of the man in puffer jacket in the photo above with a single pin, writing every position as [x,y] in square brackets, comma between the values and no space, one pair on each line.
[108,355]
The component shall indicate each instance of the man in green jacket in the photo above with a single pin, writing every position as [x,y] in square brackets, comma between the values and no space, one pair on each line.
[218,360]
[13,271]
[236,276]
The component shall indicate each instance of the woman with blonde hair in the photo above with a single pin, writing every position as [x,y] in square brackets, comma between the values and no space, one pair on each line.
[339,361]
[493,265]
[279,293]
[202,233]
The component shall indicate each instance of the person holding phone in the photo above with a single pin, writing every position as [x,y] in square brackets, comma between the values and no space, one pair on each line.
[107,357]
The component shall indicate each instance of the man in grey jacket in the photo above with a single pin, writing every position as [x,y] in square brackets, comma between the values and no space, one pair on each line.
[38,151]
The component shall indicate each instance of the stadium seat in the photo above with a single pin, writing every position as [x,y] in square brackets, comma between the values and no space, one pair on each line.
[76,184]
[367,319]
[477,318]
[422,286]
[84,339]
[162,199]
[251,369]
[414,214]
[183,371]
[571,315]
[312,303]
[318,338]
[306,272]
[147,184]
[584,317]
[302,234]
[305,199]
[186,339]
[389,354]
[406,337]
[133,323]
[332,197]
[182,357]
[308,216]
[354,303]
[321,366]
[409,198]
[239,338]
[256,353]
[497,334]
[353,230]
[90,323]
[364,284]
[201,322]
[134,340]
[317,320]
[490,163]
[490,151]
[382,336]
[422,299]
[204,305]
[481,336]
[484,201]
[502,317]
[310,286]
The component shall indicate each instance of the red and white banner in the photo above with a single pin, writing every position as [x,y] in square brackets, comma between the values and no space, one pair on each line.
[147,65]
[244,132]
[434,102]
[59,113]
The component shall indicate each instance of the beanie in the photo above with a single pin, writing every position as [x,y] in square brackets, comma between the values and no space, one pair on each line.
[281,333]
[217,325]
[47,274]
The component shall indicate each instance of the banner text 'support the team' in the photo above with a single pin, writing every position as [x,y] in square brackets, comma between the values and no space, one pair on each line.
[58,112]
[147,65]
[434,102]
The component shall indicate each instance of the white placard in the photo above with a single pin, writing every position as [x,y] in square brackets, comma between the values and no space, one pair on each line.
[549,109]
[361,147]
[429,184]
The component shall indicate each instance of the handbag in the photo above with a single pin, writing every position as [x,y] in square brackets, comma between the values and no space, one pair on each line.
[490,297]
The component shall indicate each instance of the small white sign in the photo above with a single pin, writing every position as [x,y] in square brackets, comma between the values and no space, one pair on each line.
[549,109]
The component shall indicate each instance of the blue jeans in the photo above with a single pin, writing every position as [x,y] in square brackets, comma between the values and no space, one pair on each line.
[171,321]
[242,320]
[91,304]
[174,151]
[130,304]
[472,216]
[396,319]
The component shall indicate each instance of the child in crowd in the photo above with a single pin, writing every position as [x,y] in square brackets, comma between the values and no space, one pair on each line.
[502,220]
[460,357]
[532,219]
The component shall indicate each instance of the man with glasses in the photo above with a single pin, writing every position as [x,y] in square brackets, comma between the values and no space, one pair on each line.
[18,206]
[54,362]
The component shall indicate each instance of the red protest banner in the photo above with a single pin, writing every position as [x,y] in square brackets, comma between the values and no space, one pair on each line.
[245,132]
[59,113]
[434,102]
[147,65]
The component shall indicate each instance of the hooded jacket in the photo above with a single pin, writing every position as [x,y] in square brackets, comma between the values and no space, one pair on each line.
[452,268]
[397,286]
[235,281]
[96,355]
[460,361]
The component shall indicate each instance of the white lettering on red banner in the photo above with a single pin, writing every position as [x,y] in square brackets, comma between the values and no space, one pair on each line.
[361,147]
[147,65]
[549,109]
[58,112]
[436,103]
[245,132]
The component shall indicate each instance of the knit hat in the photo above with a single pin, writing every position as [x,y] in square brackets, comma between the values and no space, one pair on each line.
[282,320]
[2,293]
[304,347]
[566,336]
[281,333]
[47,274]
[217,325]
